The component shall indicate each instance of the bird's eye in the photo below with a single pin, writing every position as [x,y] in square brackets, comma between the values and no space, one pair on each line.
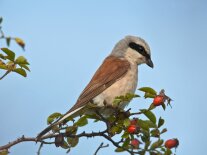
[136,47]
[140,48]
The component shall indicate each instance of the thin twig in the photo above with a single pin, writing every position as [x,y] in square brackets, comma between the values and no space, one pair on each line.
[7,72]
[136,113]
[116,144]
[41,145]
[2,33]
[100,147]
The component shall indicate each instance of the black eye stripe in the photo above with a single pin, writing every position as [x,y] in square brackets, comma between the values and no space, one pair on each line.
[139,49]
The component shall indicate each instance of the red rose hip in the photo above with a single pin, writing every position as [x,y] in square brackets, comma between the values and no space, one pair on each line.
[135,143]
[158,100]
[170,143]
[132,129]
[133,121]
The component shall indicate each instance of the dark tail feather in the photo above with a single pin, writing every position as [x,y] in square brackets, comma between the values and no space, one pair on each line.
[46,130]
[69,113]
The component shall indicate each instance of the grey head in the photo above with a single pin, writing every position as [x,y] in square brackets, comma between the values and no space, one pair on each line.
[134,48]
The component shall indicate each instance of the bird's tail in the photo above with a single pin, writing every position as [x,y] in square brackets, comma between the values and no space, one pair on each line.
[68,114]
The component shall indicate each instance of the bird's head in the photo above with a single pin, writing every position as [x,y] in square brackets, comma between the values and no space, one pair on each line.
[134,49]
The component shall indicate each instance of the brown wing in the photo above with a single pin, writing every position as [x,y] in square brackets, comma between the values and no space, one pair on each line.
[111,70]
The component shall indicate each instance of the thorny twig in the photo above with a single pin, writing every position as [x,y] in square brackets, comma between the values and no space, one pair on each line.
[101,146]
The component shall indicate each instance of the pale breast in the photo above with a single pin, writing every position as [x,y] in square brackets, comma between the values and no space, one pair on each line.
[125,85]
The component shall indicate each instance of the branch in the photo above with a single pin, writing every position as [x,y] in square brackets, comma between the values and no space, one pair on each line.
[105,134]
[48,136]
[53,135]
[100,147]
[18,140]
[26,139]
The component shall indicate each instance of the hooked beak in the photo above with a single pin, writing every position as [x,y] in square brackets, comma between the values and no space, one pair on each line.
[150,63]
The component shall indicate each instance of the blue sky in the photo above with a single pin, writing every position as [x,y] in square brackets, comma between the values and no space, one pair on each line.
[67,40]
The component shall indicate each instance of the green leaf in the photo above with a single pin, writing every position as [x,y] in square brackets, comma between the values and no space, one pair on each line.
[82,121]
[142,124]
[125,135]
[24,66]
[92,116]
[2,66]
[155,133]
[8,39]
[112,118]
[146,124]
[20,42]
[116,102]
[152,106]
[73,141]
[130,96]
[20,71]
[156,144]
[126,122]
[126,143]
[119,149]
[163,106]
[162,149]
[157,153]
[145,135]
[10,54]
[124,98]
[149,115]
[65,145]
[2,56]
[21,60]
[53,117]
[114,129]
[168,152]
[161,122]
[71,129]
[148,95]
[148,90]
[163,131]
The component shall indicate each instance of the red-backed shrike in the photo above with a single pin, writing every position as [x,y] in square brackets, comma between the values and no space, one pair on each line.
[115,77]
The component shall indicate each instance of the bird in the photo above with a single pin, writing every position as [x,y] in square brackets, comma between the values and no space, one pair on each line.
[117,76]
